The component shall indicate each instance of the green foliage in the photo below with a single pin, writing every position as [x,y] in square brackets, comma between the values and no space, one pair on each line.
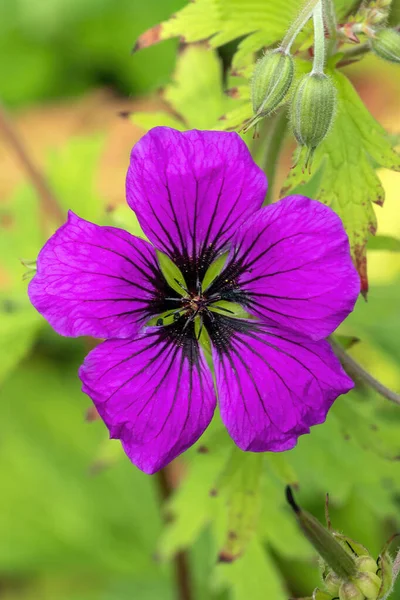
[195,94]
[260,22]
[349,183]
[62,48]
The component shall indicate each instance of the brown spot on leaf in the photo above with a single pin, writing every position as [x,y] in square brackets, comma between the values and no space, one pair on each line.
[92,414]
[360,256]
[213,492]
[6,220]
[227,557]
[232,535]
[148,38]
[233,92]
[203,450]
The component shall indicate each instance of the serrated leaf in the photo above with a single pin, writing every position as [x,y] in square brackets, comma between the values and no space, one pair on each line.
[349,183]
[260,22]
[239,498]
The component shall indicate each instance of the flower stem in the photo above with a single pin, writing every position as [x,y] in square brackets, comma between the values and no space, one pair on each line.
[272,139]
[356,52]
[297,25]
[354,369]
[319,41]
[181,562]
[331,24]
[48,201]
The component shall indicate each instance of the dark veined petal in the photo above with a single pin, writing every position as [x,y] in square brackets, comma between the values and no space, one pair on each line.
[291,263]
[98,281]
[155,393]
[191,191]
[273,385]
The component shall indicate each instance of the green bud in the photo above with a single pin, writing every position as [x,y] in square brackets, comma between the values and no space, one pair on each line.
[313,109]
[323,541]
[369,584]
[366,564]
[385,572]
[386,45]
[332,583]
[349,591]
[272,78]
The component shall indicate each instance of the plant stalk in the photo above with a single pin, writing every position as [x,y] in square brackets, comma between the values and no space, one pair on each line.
[319,41]
[181,562]
[354,369]
[48,201]
[304,15]
[331,24]
[273,137]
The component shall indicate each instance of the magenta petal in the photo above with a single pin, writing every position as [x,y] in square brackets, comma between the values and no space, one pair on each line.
[291,263]
[273,385]
[98,281]
[191,191]
[154,393]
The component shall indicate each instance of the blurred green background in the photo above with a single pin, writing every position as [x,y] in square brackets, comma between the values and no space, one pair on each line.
[77,521]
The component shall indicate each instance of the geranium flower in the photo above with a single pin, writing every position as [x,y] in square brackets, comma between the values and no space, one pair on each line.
[196,195]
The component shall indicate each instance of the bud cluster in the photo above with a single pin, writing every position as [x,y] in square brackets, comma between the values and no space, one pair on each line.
[349,572]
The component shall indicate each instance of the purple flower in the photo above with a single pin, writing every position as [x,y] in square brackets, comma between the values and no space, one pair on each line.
[197,195]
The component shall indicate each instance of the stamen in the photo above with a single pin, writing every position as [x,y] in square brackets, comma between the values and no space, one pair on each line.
[174,299]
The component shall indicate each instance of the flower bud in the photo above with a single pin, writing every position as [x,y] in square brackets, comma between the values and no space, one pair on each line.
[369,584]
[366,564]
[348,591]
[272,78]
[386,45]
[332,583]
[313,108]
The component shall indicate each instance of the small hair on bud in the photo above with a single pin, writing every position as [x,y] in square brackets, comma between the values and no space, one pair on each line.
[386,45]
[313,109]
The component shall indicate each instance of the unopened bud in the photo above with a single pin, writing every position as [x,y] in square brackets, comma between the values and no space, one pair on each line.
[369,584]
[272,78]
[349,591]
[332,583]
[313,109]
[386,45]
[376,17]
[366,564]
[323,541]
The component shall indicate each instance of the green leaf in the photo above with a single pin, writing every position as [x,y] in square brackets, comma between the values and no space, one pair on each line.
[195,93]
[260,22]
[71,171]
[239,498]
[384,242]
[253,575]
[193,505]
[349,183]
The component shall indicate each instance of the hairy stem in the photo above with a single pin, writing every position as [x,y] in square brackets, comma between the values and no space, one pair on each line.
[319,41]
[356,52]
[354,369]
[181,562]
[48,202]
[272,139]
[298,24]
[331,24]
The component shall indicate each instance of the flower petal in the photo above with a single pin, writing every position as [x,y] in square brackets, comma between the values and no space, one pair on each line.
[272,385]
[191,191]
[155,393]
[98,281]
[291,263]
